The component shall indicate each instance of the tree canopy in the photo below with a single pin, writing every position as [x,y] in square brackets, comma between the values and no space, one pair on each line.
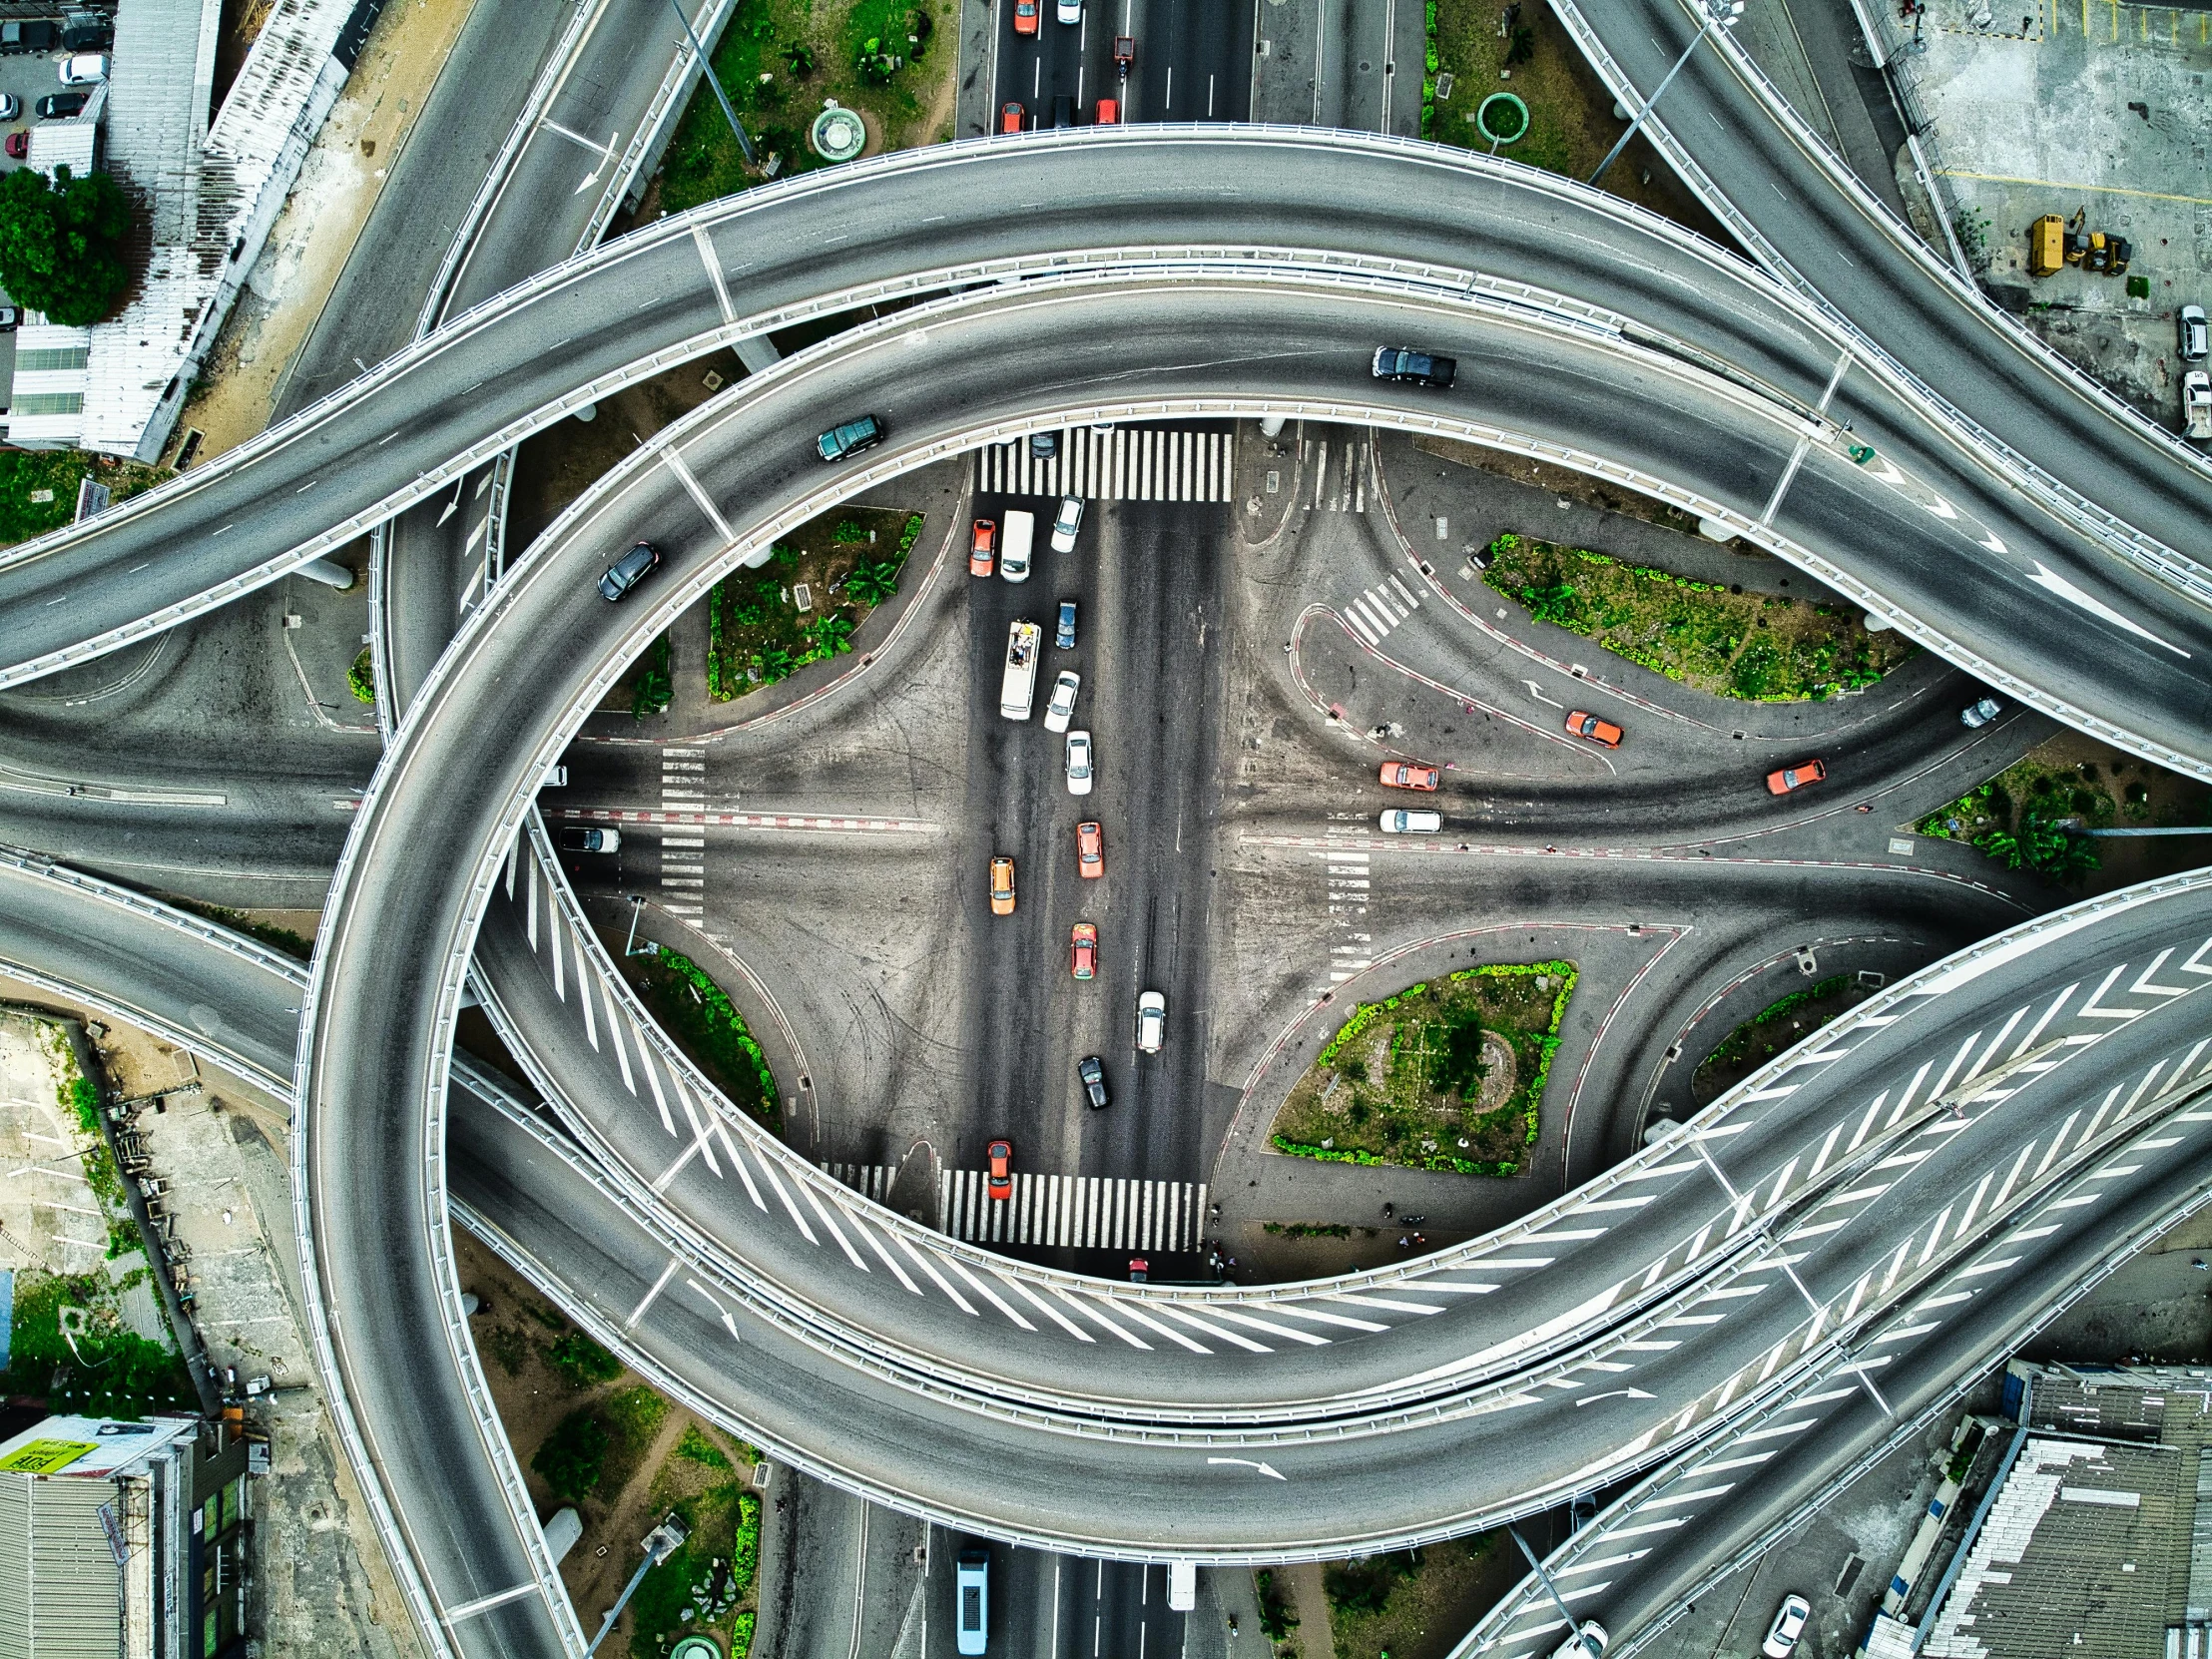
[61,244]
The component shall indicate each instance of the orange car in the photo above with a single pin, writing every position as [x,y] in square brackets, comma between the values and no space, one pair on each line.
[1795,778]
[1010,117]
[1605,732]
[984,547]
[1083,944]
[1108,112]
[1404,774]
[1090,850]
[1025,17]
[1000,1186]
[1002,887]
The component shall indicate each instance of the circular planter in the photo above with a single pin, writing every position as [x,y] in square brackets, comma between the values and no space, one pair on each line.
[1502,118]
[696,1647]
[837,135]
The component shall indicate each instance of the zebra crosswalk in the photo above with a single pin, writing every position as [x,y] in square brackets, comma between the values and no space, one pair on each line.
[1126,463]
[1379,609]
[683,854]
[1079,1211]
[868,1180]
[1351,882]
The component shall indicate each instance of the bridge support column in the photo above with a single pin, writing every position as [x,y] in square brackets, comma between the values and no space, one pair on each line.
[328,572]
[758,351]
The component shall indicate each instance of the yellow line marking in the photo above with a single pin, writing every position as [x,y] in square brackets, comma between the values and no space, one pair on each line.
[2049,183]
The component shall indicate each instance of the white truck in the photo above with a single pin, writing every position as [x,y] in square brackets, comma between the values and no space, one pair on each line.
[2196,407]
[1017,690]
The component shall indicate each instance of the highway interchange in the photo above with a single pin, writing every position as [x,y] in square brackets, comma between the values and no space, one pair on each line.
[877,1318]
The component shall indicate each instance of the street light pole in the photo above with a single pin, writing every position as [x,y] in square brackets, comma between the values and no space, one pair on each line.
[708,69]
[1721,12]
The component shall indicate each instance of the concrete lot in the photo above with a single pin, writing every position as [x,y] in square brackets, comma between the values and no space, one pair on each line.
[2052,106]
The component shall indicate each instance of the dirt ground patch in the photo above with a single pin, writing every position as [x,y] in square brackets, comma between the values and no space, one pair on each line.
[1561,481]
[1783,1023]
[1418,1604]
[1445,1075]
[1763,648]
[2017,817]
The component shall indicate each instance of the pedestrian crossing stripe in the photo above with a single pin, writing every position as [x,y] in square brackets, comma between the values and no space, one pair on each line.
[1379,609]
[1078,1212]
[868,1180]
[1126,463]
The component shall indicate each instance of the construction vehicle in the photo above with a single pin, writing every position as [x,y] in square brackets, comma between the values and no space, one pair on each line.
[2078,236]
[2047,245]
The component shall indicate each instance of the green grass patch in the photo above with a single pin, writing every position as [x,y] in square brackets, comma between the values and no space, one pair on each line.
[1762,648]
[655,690]
[1277,1615]
[1445,1075]
[779,60]
[582,1363]
[573,1460]
[842,564]
[699,1014]
[2020,816]
[695,1446]
[1412,1604]
[361,676]
[38,488]
[282,939]
[703,1587]
[1306,1230]
[1782,1025]
[69,1346]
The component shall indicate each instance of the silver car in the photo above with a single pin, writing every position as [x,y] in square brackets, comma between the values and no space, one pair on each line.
[1061,709]
[1079,763]
[1152,1022]
[1982,713]
[1065,527]
[2190,332]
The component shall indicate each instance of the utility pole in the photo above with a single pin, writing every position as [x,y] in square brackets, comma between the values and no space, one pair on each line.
[708,69]
[1718,13]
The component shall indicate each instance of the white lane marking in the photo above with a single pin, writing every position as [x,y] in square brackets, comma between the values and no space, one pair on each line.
[638,1313]
[2050,579]
[698,493]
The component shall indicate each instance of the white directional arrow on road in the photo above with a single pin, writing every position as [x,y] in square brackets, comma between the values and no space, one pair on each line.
[1631,1393]
[1270,1473]
[1539,695]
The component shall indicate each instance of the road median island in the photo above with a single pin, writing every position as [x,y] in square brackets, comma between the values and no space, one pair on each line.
[1710,636]
[1783,1023]
[1446,1075]
[808,601]
[699,1017]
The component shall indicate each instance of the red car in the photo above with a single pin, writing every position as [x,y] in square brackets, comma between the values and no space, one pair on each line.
[1404,774]
[1000,1187]
[1025,17]
[1084,945]
[1108,112]
[1010,117]
[984,547]
[1795,778]
[1605,732]
[18,145]
[1090,851]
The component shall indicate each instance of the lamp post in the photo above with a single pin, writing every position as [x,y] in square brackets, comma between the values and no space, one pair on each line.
[708,69]
[1718,14]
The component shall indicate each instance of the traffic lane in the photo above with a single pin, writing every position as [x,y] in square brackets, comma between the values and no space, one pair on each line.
[1192,62]
[2010,385]
[718,441]
[249,494]
[1331,1499]
[429,582]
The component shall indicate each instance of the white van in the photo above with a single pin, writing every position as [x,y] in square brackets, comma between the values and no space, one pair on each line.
[1398,822]
[1013,559]
[971,1587]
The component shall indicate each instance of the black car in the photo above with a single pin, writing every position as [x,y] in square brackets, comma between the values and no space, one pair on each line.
[1408,367]
[628,570]
[86,32]
[1093,1074]
[1063,109]
[57,104]
[32,36]
[11,318]
[1044,445]
[575,838]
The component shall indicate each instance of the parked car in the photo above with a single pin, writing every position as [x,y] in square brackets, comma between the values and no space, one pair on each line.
[1063,109]
[1408,367]
[84,69]
[1010,117]
[576,837]
[1587,1643]
[1152,1022]
[1400,823]
[1025,17]
[1091,1071]
[1061,709]
[1782,781]
[1788,1625]
[1982,713]
[1064,635]
[842,442]
[1044,445]
[1002,887]
[1083,950]
[1405,775]
[1079,763]
[86,32]
[11,109]
[1000,1185]
[11,318]
[1583,725]
[2196,405]
[2189,326]
[1069,521]
[628,570]
[18,145]
[982,546]
[1107,113]
[60,106]
[1090,851]
[1070,11]
[36,35]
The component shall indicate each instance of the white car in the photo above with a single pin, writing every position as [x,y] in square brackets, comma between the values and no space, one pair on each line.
[2190,331]
[2196,407]
[1587,1643]
[1065,527]
[85,69]
[1061,709]
[1079,763]
[1071,11]
[1787,1626]
[1152,1022]
[1982,713]
[1412,824]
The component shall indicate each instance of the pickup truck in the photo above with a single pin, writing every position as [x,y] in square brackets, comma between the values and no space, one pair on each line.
[2196,407]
